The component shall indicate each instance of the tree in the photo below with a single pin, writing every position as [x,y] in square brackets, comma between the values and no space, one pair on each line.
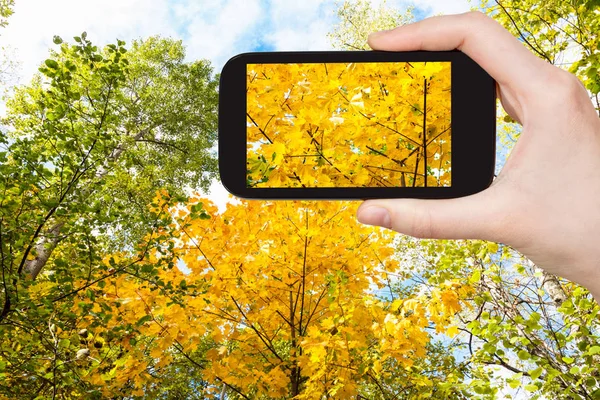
[564,33]
[357,19]
[349,125]
[6,10]
[91,141]
[281,305]
[7,64]
[513,324]
[540,330]
[142,292]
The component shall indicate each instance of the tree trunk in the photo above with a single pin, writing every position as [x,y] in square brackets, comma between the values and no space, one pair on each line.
[48,242]
[552,286]
[223,390]
[43,250]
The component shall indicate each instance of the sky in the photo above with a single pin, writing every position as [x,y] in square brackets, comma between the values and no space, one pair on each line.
[210,29]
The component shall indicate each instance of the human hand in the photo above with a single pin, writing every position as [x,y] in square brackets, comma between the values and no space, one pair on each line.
[546,201]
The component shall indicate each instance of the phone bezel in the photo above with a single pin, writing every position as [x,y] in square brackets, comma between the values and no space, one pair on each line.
[473,124]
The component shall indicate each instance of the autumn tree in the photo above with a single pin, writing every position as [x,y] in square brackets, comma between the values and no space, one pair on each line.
[278,305]
[87,145]
[356,124]
[138,291]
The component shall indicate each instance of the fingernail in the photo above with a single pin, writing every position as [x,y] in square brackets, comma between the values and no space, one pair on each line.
[375,35]
[375,216]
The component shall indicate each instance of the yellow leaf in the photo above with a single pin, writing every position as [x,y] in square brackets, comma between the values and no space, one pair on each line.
[452,331]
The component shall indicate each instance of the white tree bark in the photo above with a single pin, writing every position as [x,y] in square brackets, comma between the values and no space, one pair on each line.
[551,285]
[43,250]
[48,242]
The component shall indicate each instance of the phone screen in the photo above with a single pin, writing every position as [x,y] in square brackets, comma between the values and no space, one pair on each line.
[348,124]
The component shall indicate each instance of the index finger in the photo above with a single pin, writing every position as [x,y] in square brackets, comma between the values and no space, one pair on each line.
[484,40]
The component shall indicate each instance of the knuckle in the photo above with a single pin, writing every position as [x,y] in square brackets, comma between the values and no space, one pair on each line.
[421,224]
[566,91]
[569,83]
[476,16]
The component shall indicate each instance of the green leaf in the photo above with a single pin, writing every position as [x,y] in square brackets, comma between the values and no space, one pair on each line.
[536,373]
[143,320]
[520,268]
[590,382]
[57,40]
[147,268]
[531,388]
[568,360]
[514,383]
[476,276]
[489,348]
[574,370]
[51,63]
[197,207]
[593,350]
[523,355]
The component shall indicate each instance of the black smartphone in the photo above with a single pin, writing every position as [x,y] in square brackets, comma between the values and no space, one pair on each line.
[356,125]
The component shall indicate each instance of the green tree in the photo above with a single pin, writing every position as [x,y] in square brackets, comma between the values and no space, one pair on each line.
[513,324]
[540,330]
[564,33]
[6,10]
[7,64]
[357,19]
[90,142]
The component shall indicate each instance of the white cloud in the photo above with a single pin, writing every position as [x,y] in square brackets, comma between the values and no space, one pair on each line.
[221,29]
[210,29]
[303,25]
[34,23]
[220,196]
[309,37]
[435,7]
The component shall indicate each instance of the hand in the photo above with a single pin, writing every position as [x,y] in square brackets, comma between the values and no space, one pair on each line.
[546,201]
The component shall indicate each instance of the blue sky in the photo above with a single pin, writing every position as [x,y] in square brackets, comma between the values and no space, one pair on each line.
[210,29]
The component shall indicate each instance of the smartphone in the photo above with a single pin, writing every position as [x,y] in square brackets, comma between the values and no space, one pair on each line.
[356,125]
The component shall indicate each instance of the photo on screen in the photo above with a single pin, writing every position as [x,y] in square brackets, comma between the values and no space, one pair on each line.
[348,125]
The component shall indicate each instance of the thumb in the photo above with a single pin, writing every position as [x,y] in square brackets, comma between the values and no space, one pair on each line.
[473,217]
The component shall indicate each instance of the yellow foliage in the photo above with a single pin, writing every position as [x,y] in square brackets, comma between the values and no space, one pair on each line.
[352,125]
[285,295]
